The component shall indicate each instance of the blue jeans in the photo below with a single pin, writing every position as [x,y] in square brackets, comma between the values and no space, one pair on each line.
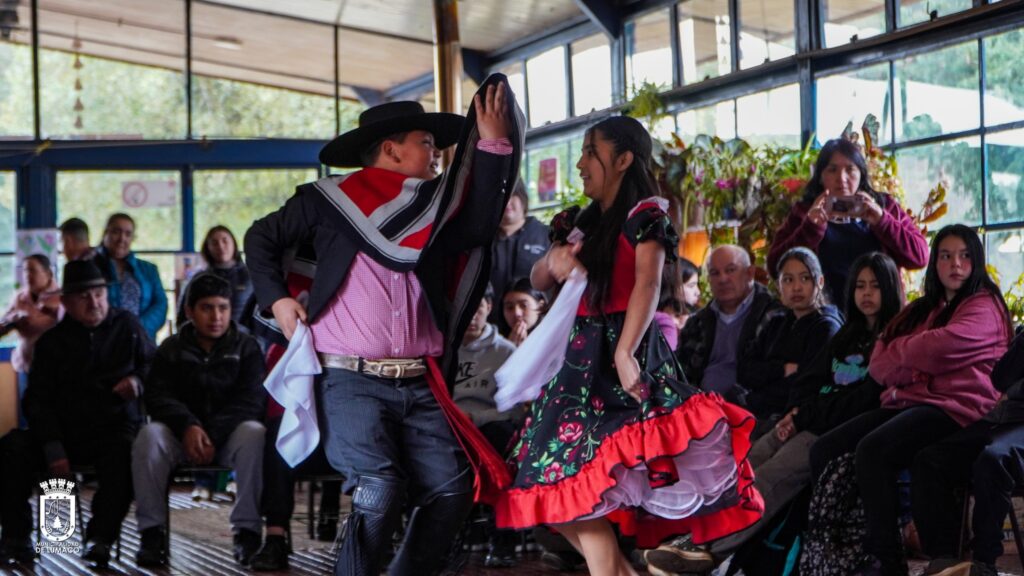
[390,428]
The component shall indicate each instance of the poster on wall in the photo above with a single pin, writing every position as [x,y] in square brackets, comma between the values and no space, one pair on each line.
[45,241]
[547,180]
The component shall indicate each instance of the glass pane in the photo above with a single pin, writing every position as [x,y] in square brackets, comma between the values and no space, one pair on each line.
[704,39]
[937,92]
[850,97]
[112,69]
[8,211]
[256,75]
[1004,71]
[591,75]
[955,163]
[1005,252]
[916,11]
[152,198]
[770,117]
[545,81]
[767,31]
[648,51]
[1005,175]
[548,172]
[714,120]
[849,20]
[234,198]
[516,81]
[16,117]
[575,152]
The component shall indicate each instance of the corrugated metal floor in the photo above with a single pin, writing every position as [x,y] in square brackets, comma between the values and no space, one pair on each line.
[201,546]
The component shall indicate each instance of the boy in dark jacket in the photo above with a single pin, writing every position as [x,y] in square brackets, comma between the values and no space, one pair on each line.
[206,399]
[82,409]
[987,456]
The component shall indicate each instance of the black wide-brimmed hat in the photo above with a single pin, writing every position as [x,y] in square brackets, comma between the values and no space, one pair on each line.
[81,275]
[387,119]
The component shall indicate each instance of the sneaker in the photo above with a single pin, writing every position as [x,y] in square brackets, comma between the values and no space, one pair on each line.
[273,556]
[200,493]
[151,548]
[16,551]
[969,569]
[562,561]
[246,544]
[98,553]
[680,555]
[231,490]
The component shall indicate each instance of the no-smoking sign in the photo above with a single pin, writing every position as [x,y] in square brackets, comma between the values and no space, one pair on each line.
[149,193]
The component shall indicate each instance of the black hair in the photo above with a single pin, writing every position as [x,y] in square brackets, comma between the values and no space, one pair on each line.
[687,269]
[42,260]
[519,191]
[76,228]
[206,285]
[602,230]
[369,156]
[813,265]
[119,216]
[671,282]
[856,331]
[205,250]
[489,294]
[935,293]
[524,286]
[814,187]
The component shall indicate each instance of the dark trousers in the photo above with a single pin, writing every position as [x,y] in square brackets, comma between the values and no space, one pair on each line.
[990,458]
[278,500]
[393,432]
[885,442]
[109,454]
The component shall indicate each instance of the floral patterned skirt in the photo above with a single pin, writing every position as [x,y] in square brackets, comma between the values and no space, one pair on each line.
[673,464]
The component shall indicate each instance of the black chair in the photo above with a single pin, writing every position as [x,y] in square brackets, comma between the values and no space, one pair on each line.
[1018,492]
[314,479]
[179,471]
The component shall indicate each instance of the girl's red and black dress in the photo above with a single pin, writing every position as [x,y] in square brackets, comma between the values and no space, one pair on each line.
[673,464]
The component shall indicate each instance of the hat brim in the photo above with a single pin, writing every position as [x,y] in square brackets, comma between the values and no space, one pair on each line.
[83,286]
[345,150]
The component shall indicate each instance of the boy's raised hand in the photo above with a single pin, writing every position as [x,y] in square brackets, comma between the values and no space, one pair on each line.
[492,113]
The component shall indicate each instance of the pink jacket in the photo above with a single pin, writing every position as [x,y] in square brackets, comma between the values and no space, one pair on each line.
[32,319]
[946,367]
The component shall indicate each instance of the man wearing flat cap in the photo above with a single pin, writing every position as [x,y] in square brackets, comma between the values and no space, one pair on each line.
[82,407]
[402,262]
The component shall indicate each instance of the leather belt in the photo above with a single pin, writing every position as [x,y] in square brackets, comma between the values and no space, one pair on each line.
[386,368]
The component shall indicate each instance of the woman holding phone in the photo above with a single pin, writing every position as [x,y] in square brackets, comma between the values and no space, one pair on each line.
[842,217]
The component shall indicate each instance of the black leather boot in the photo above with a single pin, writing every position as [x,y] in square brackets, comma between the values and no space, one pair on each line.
[376,513]
[431,534]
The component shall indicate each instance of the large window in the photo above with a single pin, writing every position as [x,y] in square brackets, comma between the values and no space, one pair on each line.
[937,92]
[113,71]
[648,51]
[235,198]
[770,117]
[704,39]
[954,163]
[917,11]
[846,21]
[8,220]
[16,75]
[1005,175]
[517,82]
[548,170]
[256,75]
[767,31]
[591,74]
[718,119]
[1004,72]
[850,97]
[548,94]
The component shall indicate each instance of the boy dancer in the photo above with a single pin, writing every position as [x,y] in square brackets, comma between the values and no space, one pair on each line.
[402,265]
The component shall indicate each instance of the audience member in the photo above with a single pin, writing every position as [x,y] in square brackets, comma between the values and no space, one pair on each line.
[784,350]
[713,342]
[206,400]
[135,284]
[523,307]
[74,238]
[221,256]
[34,309]
[841,217]
[82,408]
[933,361]
[521,241]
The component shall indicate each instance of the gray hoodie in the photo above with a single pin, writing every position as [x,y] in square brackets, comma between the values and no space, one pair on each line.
[474,382]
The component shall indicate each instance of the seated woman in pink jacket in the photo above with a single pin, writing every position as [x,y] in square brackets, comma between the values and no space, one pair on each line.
[934,362]
[841,217]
